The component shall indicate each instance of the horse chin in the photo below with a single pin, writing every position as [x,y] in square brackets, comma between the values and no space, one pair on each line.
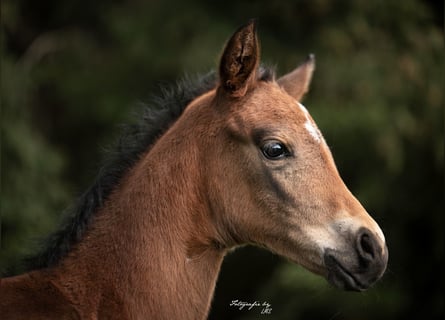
[344,274]
[341,277]
[335,273]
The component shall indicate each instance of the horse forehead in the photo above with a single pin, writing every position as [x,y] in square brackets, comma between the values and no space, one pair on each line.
[270,106]
[270,103]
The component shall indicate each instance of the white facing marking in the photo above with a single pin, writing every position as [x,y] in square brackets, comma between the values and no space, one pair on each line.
[312,130]
[310,125]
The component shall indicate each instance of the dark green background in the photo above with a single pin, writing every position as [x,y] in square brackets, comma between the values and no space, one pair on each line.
[72,71]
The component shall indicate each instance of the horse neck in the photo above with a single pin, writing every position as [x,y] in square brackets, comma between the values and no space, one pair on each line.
[151,243]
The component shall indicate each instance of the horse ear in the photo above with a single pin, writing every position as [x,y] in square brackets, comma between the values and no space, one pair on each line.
[296,83]
[239,62]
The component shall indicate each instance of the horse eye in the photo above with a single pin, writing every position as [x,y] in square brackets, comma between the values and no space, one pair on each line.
[274,150]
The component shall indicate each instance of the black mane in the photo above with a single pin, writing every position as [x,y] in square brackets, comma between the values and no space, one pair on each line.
[156,118]
[136,139]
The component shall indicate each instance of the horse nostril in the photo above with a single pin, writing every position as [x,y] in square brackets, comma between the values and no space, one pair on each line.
[366,246]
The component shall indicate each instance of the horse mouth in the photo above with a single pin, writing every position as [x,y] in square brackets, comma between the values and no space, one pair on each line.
[341,277]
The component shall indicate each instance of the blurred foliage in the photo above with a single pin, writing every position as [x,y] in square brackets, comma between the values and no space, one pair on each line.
[72,70]
[32,191]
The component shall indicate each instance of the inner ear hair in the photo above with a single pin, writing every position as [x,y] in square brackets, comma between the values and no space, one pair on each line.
[239,62]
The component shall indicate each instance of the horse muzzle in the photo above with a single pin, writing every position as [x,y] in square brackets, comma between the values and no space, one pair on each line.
[359,267]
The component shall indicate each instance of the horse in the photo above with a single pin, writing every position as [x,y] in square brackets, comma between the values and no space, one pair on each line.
[230,160]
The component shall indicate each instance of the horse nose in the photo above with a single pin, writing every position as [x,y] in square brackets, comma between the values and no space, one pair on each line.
[359,266]
[372,254]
